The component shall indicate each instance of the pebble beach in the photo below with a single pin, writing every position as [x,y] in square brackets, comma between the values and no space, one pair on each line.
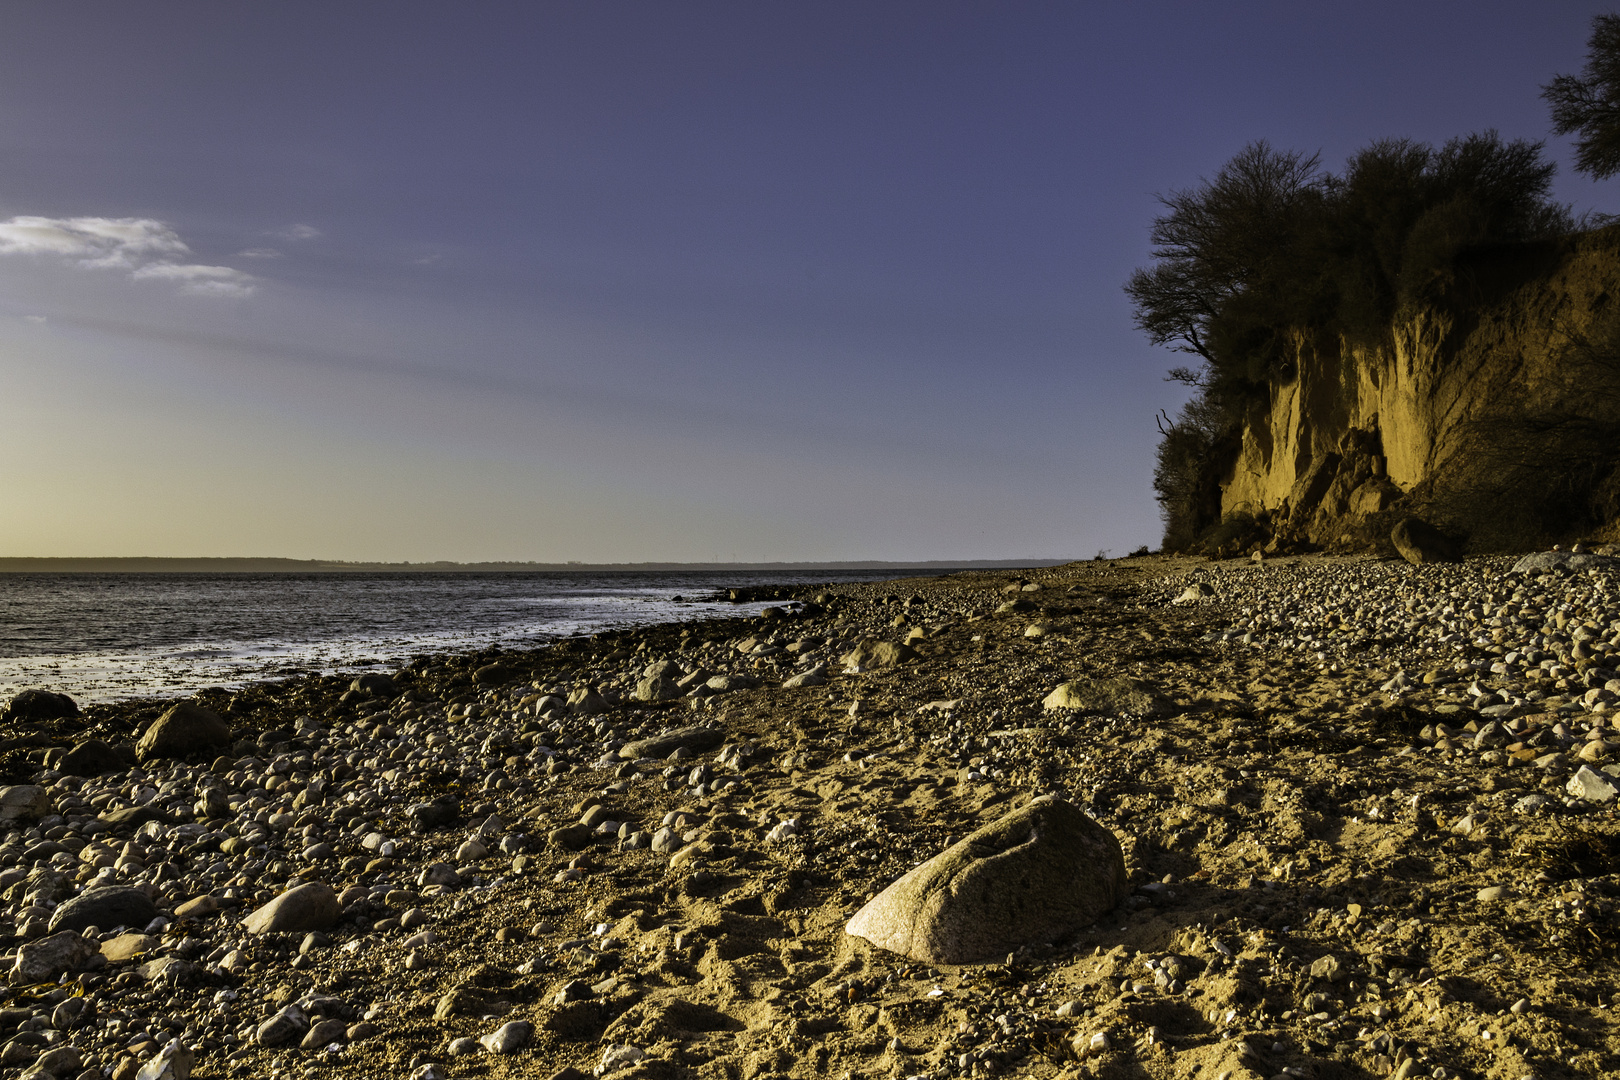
[1365,812]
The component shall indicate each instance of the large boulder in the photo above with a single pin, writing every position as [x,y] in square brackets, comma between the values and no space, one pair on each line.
[286,1026]
[23,804]
[493,674]
[105,908]
[871,654]
[1036,875]
[695,739]
[33,705]
[816,676]
[1374,496]
[663,669]
[1589,786]
[307,907]
[656,688]
[376,683]
[1420,543]
[587,701]
[185,729]
[49,958]
[1109,696]
[1313,484]
[1541,561]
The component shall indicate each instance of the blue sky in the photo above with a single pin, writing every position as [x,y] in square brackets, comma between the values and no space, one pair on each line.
[610,281]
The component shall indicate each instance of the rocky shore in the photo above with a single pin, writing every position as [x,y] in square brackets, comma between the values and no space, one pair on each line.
[1365,810]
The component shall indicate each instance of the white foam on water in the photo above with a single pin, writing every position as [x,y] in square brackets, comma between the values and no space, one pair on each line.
[108,637]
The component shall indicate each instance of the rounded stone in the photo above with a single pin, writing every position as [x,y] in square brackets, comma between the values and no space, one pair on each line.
[313,906]
[185,729]
[1037,874]
[25,803]
[40,705]
[106,907]
[507,1038]
[91,758]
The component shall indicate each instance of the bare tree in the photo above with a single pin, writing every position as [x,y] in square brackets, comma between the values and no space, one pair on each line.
[1589,104]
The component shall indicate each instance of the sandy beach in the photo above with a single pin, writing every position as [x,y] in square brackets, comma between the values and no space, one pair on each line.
[1334,868]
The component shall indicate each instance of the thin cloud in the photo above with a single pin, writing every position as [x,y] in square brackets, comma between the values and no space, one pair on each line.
[97,243]
[200,280]
[34,318]
[144,247]
[300,232]
[259,253]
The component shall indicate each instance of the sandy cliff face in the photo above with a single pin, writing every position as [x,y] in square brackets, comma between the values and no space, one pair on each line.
[1352,433]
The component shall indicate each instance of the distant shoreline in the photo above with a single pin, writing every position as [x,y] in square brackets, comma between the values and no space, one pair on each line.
[157,565]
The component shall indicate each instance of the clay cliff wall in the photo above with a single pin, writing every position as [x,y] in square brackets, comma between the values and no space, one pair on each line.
[1449,412]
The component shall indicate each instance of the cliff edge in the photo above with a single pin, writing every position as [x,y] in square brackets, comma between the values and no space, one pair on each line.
[1494,414]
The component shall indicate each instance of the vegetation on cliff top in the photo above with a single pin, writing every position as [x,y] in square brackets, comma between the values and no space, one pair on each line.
[1274,250]
[1273,247]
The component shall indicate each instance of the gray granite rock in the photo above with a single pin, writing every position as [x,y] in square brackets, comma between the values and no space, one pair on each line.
[1542,561]
[48,958]
[285,1027]
[312,906]
[816,676]
[695,739]
[1590,786]
[1033,876]
[23,804]
[105,907]
[185,729]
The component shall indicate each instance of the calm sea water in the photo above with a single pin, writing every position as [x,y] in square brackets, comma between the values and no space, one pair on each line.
[104,637]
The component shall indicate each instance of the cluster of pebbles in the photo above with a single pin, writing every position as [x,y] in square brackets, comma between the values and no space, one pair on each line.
[1519,660]
[1362,808]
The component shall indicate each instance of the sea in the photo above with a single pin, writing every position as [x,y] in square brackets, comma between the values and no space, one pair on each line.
[111,637]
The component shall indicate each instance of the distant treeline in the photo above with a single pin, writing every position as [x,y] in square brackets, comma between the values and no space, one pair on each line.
[327,566]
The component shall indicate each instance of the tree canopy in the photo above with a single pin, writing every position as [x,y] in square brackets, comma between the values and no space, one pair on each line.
[1273,244]
[1589,104]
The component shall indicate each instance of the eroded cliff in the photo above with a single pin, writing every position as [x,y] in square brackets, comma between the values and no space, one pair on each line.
[1495,413]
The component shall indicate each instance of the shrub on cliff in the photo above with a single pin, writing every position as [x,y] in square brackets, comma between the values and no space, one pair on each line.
[1184,481]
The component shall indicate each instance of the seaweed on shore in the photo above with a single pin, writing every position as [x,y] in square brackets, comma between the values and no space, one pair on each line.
[1582,856]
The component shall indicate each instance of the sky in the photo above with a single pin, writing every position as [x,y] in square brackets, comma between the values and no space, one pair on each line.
[613,281]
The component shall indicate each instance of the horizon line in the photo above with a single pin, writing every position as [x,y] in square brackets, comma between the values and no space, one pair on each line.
[279,564]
